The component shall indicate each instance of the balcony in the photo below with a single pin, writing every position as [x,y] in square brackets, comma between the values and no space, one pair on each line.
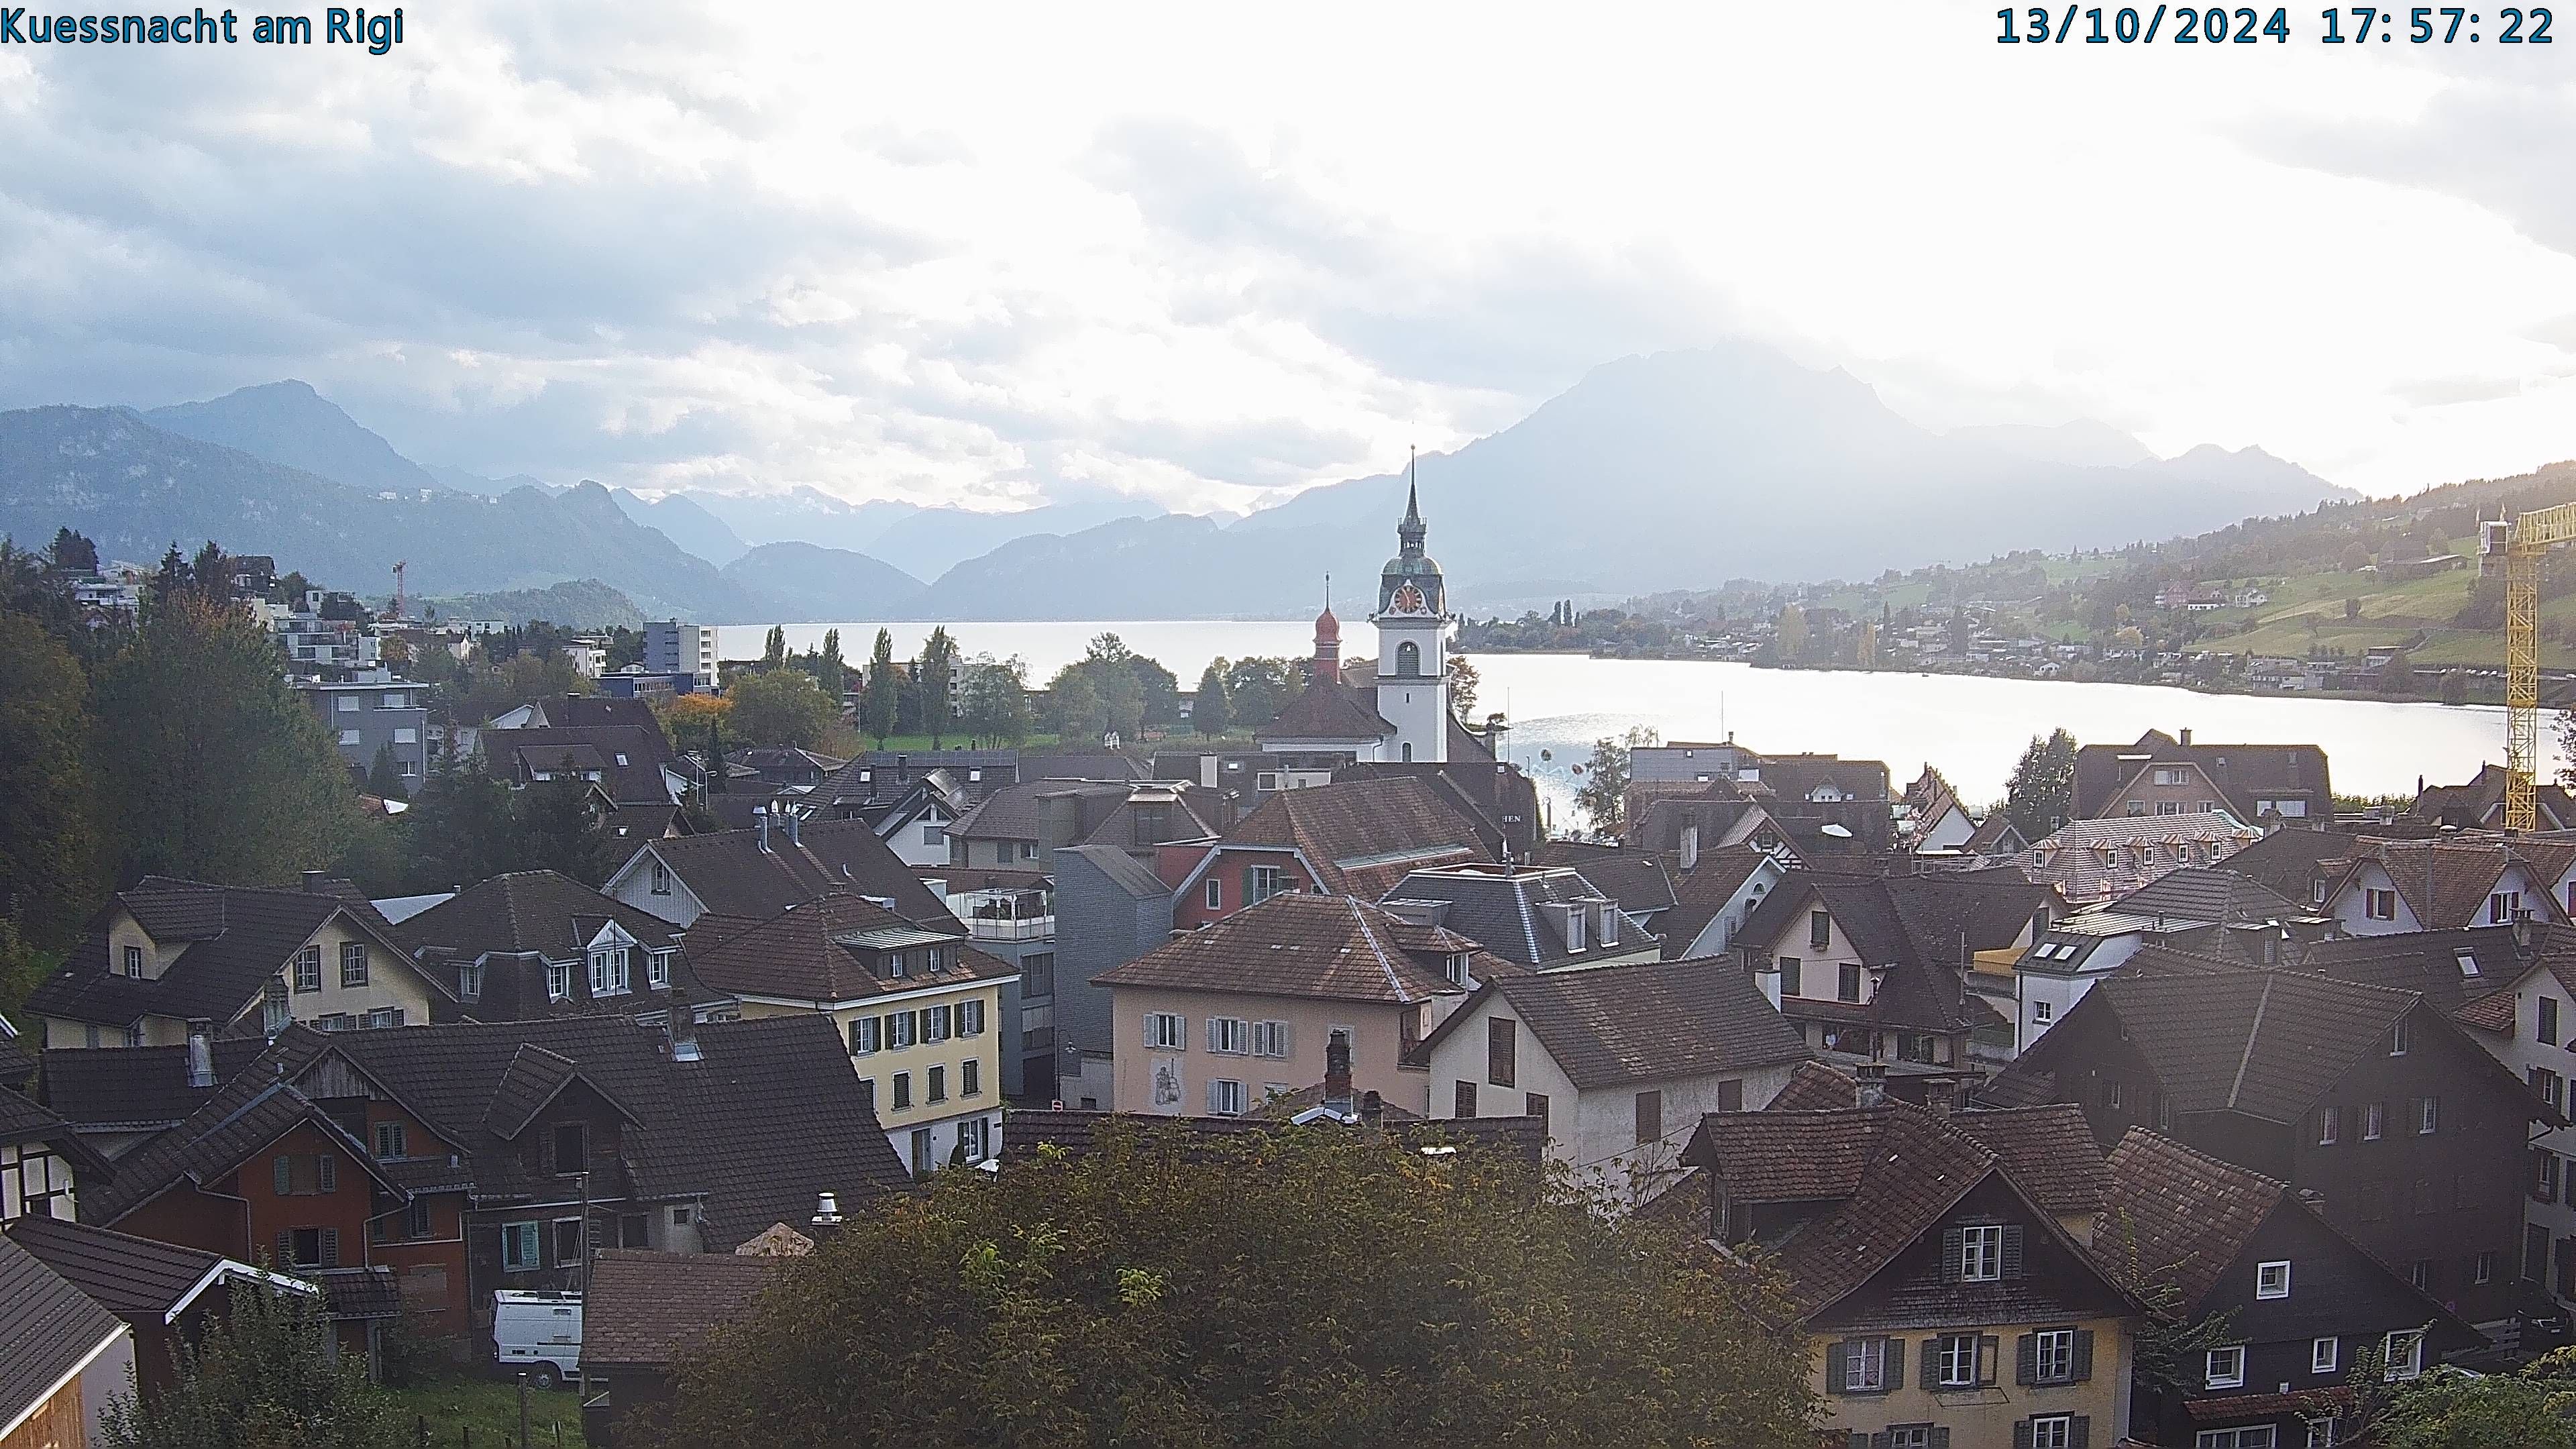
[1011,928]
[1005,914]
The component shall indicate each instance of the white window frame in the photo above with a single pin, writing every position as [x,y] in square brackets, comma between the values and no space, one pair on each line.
[1227,1098]
[2052,1431]
[1229,1036]
[2053,1356]
[558,980]
[2397,1038]
[2231,1377]
[2248,1436]
[2324,1354]
[308,968]
[1261,882]
[2374,1121]
[936,1024]
[608,972]
[1215,896]
[903,1030]
[1271,1039]
[1865,1366]
[1981,1253]
[2412,1364]
[2428,1116]
[1947,1358]
[657,969]
[866,1035]
[1167,1031]
[2272,1280]
[353,954]
[970,1016]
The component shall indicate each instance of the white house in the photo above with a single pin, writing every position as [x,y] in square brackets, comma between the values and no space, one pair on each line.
[1714,894]
[2066,962]
[1617,1062]
[2394,886]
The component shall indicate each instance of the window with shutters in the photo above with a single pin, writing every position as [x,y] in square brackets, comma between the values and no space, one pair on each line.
[901,1026]
[867,1033]
[1502,1051]
[938,1084]
[2051,1357]
[1271,1039]
[1166,1031]
[1229,1035]
[2051,1431]
[1225,1099]
[2379,905]
[902,1090]
[1954,1360]
[1981,1253]
[970,1016]
[1863,1367]
[1466,1099]
[309,1248]
[2225,1368]
[936,1024]
[970,1078]
[326,1173]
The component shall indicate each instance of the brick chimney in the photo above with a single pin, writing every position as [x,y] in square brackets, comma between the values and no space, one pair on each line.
[1869,1080]
[1337,1069]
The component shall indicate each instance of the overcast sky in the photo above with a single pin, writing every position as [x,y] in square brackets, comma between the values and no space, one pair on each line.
[1205,253]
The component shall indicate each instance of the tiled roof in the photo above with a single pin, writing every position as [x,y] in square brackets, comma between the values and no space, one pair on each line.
[1995,835]
[2243,774]
[238,937]
[1920,928]
[628,758]
[1636,879]
[732,875]
[1327,709]
[653,1308]
[826,950]
[2480,802]
[358,1294]
[246,1114]
[2178,1216]
[533,1078]
[1500,907]
[136,1087]
[2048,1150]
[2443,882]
[137,1279]
[1648,1021]
[541,911]
[2452,968]
[1286,1105]
[1815,1087]
[1076,1132]
[2195,893]
[1324,947]
[2268,1044]
[2095,860]
[1702,891]
[1363,836]
[2288,861]
[769,1116]
[47,1329]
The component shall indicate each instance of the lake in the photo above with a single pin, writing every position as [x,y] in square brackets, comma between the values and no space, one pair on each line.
[1972,729]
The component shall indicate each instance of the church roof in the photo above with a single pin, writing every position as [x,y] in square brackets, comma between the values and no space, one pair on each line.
[1327,709]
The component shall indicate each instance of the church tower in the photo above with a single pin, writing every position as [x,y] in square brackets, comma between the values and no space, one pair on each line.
[1413,644]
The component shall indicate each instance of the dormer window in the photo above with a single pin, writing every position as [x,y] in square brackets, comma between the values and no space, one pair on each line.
[2397,1038]
[469,981]
[1609,925]
[1454,967]
[896,968]
[558,980]
[134,962]
[608,972]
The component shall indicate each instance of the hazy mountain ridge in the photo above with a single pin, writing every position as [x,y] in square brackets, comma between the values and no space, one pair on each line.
[683,521]
[806,583]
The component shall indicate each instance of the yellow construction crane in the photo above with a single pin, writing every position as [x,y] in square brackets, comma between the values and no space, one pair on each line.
[2522,541]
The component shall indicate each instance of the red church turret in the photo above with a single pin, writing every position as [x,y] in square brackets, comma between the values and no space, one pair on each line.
[1328,639]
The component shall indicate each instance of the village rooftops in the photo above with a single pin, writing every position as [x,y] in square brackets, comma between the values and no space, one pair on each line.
[1361,837]
[1645,1021]
[1538,916]
[838,948]
[758,873]
[1323,947]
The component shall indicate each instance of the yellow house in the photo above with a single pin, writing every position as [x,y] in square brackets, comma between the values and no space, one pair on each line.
[243,960]
[918,1009]
[1938,1265]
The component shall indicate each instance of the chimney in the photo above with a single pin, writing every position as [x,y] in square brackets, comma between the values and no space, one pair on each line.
[201,1052]
[1941,1094]
[316,882]
[761,813]
[1337,1069]
[2186,738]
[1690,847]
[684,1026]
[1869,1079]
[1372,1109]
[827,1213]
[1766,974]
[795,826]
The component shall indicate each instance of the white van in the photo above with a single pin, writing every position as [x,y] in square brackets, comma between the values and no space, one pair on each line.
[537,1332]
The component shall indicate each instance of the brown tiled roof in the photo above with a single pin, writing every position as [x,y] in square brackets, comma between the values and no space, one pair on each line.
[540,911]
[821,950]
[2444,883]
[2240,1408]
[2250,772]
[1815,1087]
[2048,1150]
[628,758]
[1994,834]
[1636,879]
[2198,893]
[137,1279]
[731,874]
[1327,709]
[2178,1216]
[1916,927]
[1362,836]
[1285,1105]
[136,1087]
[246,1114]
[1647,1021]
[651,1309]
[1325,947]
[2480,802]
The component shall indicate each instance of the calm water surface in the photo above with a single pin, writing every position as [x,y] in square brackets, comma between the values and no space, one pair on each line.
[1972,729]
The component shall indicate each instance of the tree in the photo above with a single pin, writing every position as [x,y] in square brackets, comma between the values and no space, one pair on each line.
[1312,1287]
[773,652]
[1790,632]
[52,857]
[461,829]
[261,1377]
[560,829]
[2355,558]
[719,774]
[2397,675]
[2040,795]
[1074,707]
[1464,682]
[1603,797]
[932,676]
[782,707]
[829,670]
[877,709]
[995,697]
[2533,1408]
[215,769]
[2455,686]
[1208,707]
[384,776]
[73,553]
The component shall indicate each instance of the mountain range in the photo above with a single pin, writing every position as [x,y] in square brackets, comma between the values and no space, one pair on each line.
[1680,469]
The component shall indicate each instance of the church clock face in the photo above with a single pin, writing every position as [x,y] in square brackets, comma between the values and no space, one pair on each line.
[1408,600]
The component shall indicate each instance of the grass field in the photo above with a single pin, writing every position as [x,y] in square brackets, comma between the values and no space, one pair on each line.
[488,1410]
